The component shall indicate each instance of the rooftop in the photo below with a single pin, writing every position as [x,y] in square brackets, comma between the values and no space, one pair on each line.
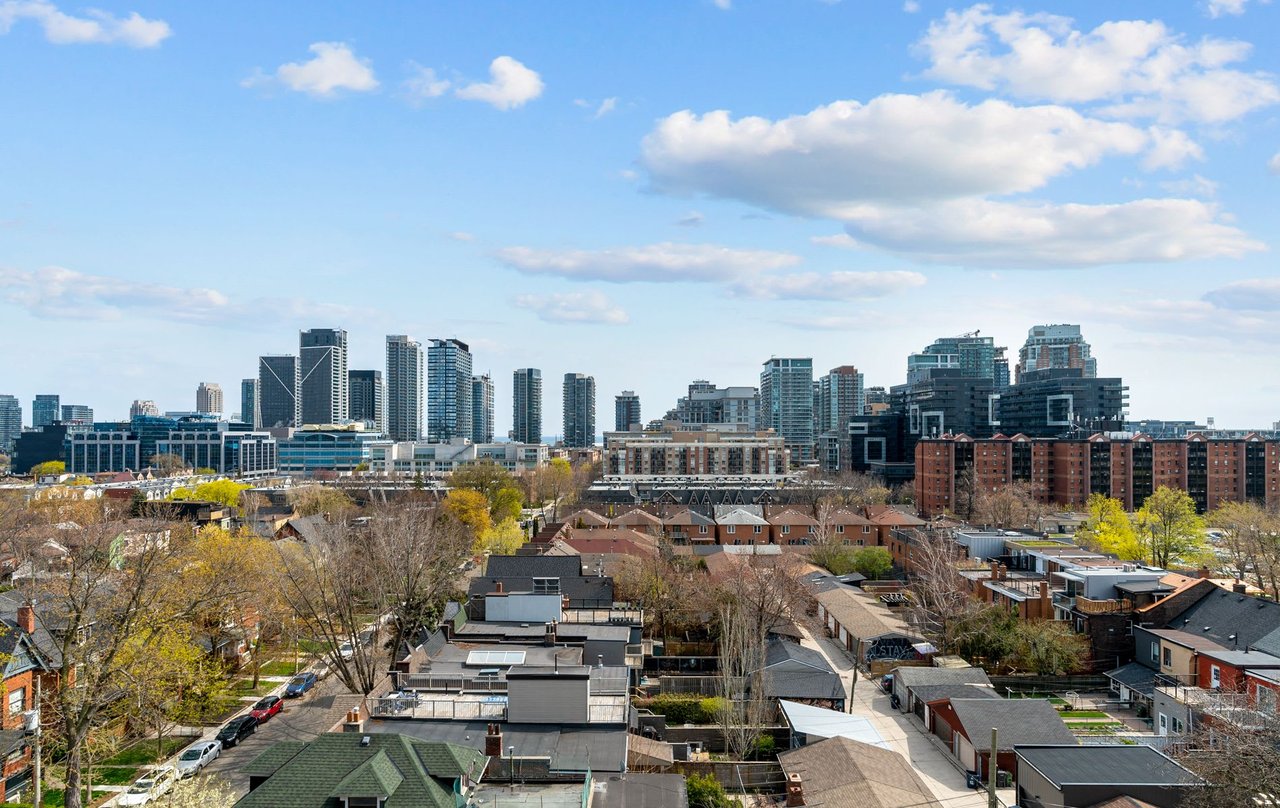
[1105,764]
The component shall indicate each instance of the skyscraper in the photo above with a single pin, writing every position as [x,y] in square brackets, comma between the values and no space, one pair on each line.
[786,404]
[367,398]
[249,403]
[79,413]
[708,404]
[579,410]
[448,390]
[404,388]
[10,422]
[278,402]
[978,357]
[840,397]
[322,356]
[209,398]
[481,409]
[526,406]
[1056,346]
[626,410]
[143,406]
[45,409]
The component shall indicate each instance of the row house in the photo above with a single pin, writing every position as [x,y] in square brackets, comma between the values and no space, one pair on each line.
[1129,467]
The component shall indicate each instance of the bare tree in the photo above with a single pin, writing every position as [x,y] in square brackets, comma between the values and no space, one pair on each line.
[1239,760]
[1009,507]
[939,592]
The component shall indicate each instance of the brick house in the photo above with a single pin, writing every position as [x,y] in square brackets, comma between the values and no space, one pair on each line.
[23,663]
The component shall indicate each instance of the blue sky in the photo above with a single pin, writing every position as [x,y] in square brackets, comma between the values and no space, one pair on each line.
[646,192]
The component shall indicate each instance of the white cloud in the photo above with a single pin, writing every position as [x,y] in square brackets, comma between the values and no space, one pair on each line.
[100,27]
[656,263]
[693,218]
[911,6]
[828,322]
[842,241]
[462,235]
[894,148]
[828,286]
[334,67]
[1274,163]
[979,232]
[601,109]
[511,85]
[1262,294]
[423,84]
[1170,148]
[1217,8]
[574,307]
[1139,68]
[1197,186]
[723,5]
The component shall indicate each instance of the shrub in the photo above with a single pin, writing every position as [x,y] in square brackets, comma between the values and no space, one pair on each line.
[684,708]
[705,791]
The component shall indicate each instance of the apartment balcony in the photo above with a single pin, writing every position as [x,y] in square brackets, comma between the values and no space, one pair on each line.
[1063,600]
[1109,606]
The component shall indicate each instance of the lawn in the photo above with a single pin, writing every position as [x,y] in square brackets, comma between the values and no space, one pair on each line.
[115,775]
[143,752]
[279,667]
[244,687]
[52,798]
[1083,714]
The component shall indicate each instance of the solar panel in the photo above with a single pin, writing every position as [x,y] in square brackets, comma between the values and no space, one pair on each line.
[500,658]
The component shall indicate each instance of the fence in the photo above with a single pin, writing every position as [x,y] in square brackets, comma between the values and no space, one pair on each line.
[765,777]
[712,737]
[451,684]
[407,706]
[699,685]
[1049,684]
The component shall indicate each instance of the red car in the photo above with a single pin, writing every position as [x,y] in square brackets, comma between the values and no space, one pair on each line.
[267,707]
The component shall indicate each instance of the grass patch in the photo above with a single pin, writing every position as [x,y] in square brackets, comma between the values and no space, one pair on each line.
[55,798]
[1095,727]
[244,687]
[1083,714]
[143,752]
[278,667]
[115,775]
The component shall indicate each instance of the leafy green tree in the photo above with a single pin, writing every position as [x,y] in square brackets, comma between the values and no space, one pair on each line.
[225,492]
[1048,647]
[48,467]
[311,500]
[873,562]
[503,538]
[472,510]
[1110,530]
[705,791]
[497,485]
[1170,530]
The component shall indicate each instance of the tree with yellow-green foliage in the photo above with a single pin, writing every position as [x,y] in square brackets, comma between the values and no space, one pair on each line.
[311,500]
[499,488]
[1170,530]
[1110,530]
[471,509]
[48,467]
[503,538]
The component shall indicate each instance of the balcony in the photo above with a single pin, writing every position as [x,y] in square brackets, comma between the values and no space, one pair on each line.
[1109,606]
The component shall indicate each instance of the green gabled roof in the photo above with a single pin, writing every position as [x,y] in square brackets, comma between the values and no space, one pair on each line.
[312,775]
[376,777]
[450,761]
[267,763]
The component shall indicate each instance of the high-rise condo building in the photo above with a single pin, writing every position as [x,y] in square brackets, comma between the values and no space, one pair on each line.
[143,406]
[209,398]
[840,397]
[526,408]
[707,404]
[404,388]
[249,403]
[278,402]
[45,409]
[322,356]
[1056,346]
[367,398]
[626,410]
[448,390]
[579,410]
[77,413]
[481,409]
[978,357]
[786,404]
[10,422]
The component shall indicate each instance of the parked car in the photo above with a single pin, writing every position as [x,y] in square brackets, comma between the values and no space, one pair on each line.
[196,757]
[346,651]
[236,730]
[149,787]
[266,707]
[300,684]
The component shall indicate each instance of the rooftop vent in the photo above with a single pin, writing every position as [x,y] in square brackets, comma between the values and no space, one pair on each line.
[365,740]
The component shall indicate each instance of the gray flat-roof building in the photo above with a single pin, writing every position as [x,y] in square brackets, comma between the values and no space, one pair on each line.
[278,381]
[322,382]
[526,414]
[404,387]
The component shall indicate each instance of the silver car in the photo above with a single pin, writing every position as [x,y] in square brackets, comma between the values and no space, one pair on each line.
[196,757]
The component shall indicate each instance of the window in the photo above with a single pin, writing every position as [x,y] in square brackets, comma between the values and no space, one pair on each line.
[786,529]
[839,528]
[866,528]
[17,700]
[730,529]
[755,528]
[546,586]
[1155,652]
[1266,698]
[702,528]
[1168,658]
[1215,677]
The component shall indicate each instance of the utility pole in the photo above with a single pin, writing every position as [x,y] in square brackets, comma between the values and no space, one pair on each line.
[39,721]
[991,772]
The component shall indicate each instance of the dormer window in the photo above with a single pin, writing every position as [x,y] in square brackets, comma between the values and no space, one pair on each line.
[546,586]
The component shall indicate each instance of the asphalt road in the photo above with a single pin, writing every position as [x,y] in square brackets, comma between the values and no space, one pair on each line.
[301,720]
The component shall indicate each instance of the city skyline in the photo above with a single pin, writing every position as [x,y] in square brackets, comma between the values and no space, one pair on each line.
[550,183]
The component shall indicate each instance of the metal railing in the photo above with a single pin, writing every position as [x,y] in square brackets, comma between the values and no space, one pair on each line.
[450,684]
[407,706]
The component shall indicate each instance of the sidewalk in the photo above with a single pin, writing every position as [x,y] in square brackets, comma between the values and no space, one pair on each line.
[905,734]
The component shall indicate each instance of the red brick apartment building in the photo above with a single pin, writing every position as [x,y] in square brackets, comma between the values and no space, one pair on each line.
[1065,471]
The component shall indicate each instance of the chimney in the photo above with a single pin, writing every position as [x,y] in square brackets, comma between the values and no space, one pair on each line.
[27,618]
[493,741]
[1044,590]
[353,722]
[795,791]
[1239,587]
[1004,572]
[995,570]
[1203,572]
[498,590]
[549,638]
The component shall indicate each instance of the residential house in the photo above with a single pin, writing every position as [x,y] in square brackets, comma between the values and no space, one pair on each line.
[374,769]
[801,674]
[559,576]
[739,525]
[910,684]
[24,663]
[843,772]
[1051,776]
[687,526]
[790,526]
[864,626]
[640,521]
[850,527]
[306,529]
[965,726]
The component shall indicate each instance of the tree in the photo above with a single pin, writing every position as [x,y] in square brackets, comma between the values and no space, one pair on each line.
[495,483]
[705,791]
[552,482]
[169,464]
[1109,529]
[1170,530]
[320,500]
[472,510]
[224,492]
[873,562]
[939,593]
[670,589]
[503,538]
[200,792]
[1008,507]
[1250,541]
[48,468]
[966,493]
[1048,647]
[1240,763]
